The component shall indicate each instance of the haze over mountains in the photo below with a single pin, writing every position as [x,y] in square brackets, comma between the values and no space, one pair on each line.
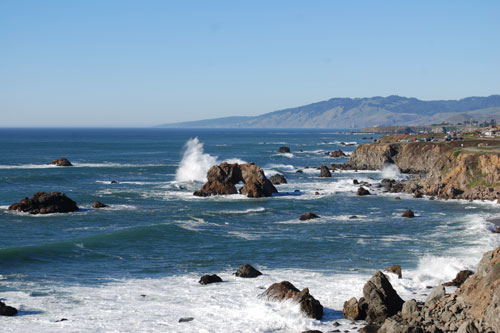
[362,112]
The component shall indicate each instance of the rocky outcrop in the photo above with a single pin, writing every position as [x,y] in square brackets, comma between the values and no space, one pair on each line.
[247,271]
[278,179]
[61,162]
[222,179]
[308,216]
[98,204]
[362,191]
[396,269]
[208,279]
[45,203]
[287,291]
[324,171]
[459,279]
[284,149]
[6,310]
[408,213]
[337,153]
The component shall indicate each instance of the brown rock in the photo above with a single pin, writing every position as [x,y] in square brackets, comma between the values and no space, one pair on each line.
[61,162]
[45,203]
[382,300]
[353,311]
[396,269]
[98,204]
[308,216]
[285,290]
[408,213]
[460,278]
[337,153]
[324,172]
[362,191]
[397,198]
[278,179]
[207,279]
[247,271]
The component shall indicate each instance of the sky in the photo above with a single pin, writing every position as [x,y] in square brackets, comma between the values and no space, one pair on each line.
[118,63]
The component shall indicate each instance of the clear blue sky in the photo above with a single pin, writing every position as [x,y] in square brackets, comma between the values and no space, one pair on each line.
[142,63]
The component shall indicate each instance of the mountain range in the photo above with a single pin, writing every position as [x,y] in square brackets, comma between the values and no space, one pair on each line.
[343,113]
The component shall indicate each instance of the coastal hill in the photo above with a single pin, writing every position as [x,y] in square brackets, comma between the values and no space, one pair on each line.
[362,112]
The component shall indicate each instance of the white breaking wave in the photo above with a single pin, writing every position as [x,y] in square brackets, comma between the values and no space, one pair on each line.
[391,171]
[195,163]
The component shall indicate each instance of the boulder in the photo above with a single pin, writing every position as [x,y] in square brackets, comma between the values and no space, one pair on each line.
[284,149]
[61,162]
[362,191]
[285,290]
[278,179]
[396,269]
[6,310]
[409,308]
[417,195]
[222,179]
[114,182]
[354,310]
[186,319]
[98,204]
[355,182]
[370,328]
[337,153]
[397,198]
[436,294]
[408,213]
[308,216]
[247,271]
[45,203]
[324,171]
[299,171]
[207,279]
[381,299]
[459,279]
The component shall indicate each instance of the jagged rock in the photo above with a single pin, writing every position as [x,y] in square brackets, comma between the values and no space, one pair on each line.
[337,153]
[247,271]
[285,290]
[408,213]
[308,216]
[324,172]
[61,162]
[382,300]
[354,310]
[221,179]
[278,179]
[460,278]
[362,191]
[6,310]
[436,294]
[409,308]
[98,204]
[396,269]
[284,149]
[207,279]
[355,182]
[45,203]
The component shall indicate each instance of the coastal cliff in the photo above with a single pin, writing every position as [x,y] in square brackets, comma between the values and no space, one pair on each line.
[454,170]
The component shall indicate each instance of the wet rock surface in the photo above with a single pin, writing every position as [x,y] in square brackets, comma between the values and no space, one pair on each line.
[61,162]
[208,279]
[308,216]
[278,179]
[45,203]
[247,271]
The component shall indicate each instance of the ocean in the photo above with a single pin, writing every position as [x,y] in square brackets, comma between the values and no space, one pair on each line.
[135,265]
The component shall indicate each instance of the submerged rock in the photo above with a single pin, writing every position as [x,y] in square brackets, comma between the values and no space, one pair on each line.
[221,179]
[98,204]
[6,310]
[45,203]
[278,179]
[186,319]
[308,216]
[285,290]
[337,153]
[284,149]
[408,213]
[324,171]
[362,191]
[207,279]
[61,162]
[247,271]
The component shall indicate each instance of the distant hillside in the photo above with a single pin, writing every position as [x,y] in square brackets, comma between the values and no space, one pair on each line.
[363,112]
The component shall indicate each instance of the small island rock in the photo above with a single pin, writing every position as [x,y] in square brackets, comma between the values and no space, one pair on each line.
[362,191]
[408,213]
[61,162]
[324,171]
[278,179]
[45,203]
[207,279]
[284,149]
[247,271]
[98,204]
[308,216]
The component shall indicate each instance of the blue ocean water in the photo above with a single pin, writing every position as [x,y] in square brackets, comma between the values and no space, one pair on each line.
[156,238]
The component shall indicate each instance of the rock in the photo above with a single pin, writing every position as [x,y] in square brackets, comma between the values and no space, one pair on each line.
[6,310]
[362,191]
[45,203]
[299,171]
[497,230]
[61,162]
[207,279]
[459,279]
[98,204]
[285,290]
[352,309]
[396,269]
[355,182]
[186,319]
[308,216]
[221,179]
[436,294]
[278,179]
[382,300]
[409,308]
[417,195]
[284,149]
[397,198]
[408,213]
[337,153]
[325,172]
[247,271]
[370,328]
[114,182]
